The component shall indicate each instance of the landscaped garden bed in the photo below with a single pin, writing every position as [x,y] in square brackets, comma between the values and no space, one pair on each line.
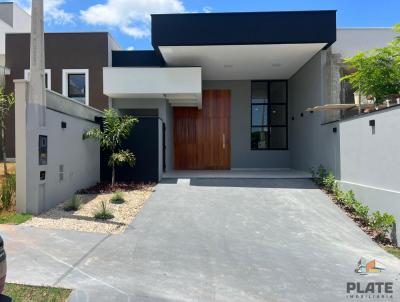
[377,225]
[101,212]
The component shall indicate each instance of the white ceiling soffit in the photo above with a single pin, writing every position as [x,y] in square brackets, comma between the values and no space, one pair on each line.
[243,62]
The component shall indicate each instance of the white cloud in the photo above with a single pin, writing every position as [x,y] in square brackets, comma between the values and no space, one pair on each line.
[53,12]
[207,9]
[130,48]
[132,17]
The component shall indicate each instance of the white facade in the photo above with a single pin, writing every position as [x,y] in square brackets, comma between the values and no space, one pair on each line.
[13,19]
[179,85]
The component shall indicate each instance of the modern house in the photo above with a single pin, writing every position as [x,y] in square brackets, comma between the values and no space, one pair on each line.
[220,91]
[232,88]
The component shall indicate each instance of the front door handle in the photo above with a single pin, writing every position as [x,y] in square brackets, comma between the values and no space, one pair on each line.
[223,140]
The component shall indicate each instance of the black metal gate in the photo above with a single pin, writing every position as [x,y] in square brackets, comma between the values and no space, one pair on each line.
[144,143]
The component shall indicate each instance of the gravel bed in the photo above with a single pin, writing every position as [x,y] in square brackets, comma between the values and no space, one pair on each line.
[83,219]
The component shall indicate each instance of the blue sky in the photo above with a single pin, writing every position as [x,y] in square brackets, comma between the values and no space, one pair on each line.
[128,20]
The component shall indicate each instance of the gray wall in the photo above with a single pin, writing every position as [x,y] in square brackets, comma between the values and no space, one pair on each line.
[80,158]
[364,160]
[370,160]
[311,143]
[241,154]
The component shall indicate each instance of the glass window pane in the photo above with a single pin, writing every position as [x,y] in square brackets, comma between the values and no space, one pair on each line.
[278,138]
[278,92]
[259,92]
[278,115]
[76,86]
[259,115]
[259,138]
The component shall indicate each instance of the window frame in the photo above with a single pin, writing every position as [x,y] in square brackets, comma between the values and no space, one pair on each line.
[47,72]
[65,84]
[269,122]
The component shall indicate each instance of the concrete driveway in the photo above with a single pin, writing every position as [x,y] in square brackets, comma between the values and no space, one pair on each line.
[209,240]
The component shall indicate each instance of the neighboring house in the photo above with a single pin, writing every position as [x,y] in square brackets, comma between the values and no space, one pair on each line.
[74,68]
[13,19]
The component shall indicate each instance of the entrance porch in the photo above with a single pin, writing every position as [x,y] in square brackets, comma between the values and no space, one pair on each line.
[238,174]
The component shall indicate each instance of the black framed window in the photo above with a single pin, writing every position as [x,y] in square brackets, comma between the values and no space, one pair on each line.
[77,85]
[269,115]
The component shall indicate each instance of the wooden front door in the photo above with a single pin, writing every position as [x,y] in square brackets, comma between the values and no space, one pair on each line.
[202,137]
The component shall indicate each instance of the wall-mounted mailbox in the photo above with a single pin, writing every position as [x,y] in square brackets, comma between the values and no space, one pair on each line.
[372,123]
[42,175]
[42,150]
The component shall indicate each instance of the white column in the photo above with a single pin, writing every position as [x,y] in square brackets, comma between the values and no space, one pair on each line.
[37,88]
[30,122]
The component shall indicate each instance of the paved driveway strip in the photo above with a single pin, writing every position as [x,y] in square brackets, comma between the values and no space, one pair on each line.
[210,240]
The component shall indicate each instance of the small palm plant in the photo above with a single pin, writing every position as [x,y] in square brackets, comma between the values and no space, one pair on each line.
[115,130]
[103,213]
[118,197]
[74,204]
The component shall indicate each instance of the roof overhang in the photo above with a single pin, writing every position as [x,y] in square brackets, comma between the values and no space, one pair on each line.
[243,62]
[243,46]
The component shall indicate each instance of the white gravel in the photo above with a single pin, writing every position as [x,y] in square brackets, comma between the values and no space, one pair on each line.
[83,219]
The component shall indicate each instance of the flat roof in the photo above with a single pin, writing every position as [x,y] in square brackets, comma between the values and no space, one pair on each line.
[244,28]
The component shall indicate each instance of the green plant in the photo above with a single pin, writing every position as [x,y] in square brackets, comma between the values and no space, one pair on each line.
[349,199]
[329,182]
[103,213]
[319,174]
[381,223]
[74,204]
[336,190]
[118,197]
[8,190]
[115,130]
[362,211]
[7,101]
[376,72]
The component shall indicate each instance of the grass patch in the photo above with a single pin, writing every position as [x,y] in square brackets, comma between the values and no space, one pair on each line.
[25,293]
[14,218]
[394,251]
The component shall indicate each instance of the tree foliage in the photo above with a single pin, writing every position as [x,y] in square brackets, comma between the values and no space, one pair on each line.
[114,131]
[7,101]
[377,72]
